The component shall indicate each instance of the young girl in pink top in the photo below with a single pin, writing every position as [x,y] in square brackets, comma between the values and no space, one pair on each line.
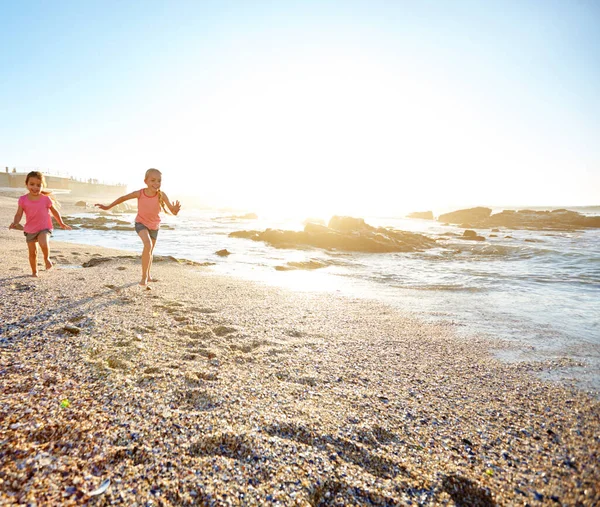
[150,202]
[37,205]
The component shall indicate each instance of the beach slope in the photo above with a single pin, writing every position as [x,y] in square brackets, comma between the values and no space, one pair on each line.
[215,391]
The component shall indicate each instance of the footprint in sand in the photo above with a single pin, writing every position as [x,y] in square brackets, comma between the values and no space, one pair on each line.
[247,348]
[376,436]
[116,363]
[203,310]
[168,309]
[78,319]
[224,330]
[305,381]
[207,353]
[346,449]
[197,332]
[279,350]
[208,376]
[198,399]
[234,446]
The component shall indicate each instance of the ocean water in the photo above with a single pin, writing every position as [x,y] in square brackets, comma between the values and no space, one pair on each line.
[538,289]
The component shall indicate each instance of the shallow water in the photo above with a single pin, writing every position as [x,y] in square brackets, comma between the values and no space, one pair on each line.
[539,289]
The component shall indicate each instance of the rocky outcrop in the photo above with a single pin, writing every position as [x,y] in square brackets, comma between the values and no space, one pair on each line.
[426,215]
[104,223]
[472,235]
[345,234]
[560,219]
[469,216]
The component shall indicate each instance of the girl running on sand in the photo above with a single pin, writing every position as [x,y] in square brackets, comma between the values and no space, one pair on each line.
[150,201]
[37,205]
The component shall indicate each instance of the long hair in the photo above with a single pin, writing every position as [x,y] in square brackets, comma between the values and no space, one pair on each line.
[161,200]
[40,176]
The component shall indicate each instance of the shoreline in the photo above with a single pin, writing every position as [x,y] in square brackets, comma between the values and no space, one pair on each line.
[211,389]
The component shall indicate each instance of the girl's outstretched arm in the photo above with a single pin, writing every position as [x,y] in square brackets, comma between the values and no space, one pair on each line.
[174,207]
[17,219]
[59,219]
[132,195]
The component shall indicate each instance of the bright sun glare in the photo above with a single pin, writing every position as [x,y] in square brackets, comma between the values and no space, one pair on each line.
[312,138]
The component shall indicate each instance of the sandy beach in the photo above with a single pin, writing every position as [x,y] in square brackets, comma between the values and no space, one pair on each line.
[209,390]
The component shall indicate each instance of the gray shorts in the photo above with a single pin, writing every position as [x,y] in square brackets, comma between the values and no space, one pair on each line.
[140,227]
[32,237]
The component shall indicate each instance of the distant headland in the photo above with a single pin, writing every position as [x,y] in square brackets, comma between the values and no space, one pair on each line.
[13,178]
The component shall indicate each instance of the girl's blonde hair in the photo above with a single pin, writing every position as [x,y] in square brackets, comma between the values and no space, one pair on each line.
[161,200]
[38,175]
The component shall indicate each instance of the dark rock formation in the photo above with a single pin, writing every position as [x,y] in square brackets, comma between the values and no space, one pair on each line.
[348,224]
[99,223]
[560,219]
[223,253]
[556,219]
[469,234]
[344,233]
[466,216]
[426,215]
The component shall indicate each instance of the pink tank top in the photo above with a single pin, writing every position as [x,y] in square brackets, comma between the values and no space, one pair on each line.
[37,213]
[148,210]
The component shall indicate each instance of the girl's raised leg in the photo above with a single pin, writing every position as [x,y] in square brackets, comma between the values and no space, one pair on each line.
[32,246]
[146,255]
[44,241]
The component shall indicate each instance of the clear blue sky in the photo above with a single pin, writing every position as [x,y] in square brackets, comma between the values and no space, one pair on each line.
[356,105]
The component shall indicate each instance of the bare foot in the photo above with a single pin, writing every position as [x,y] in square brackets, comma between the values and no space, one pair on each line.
[143,283]
[150,279]
[34,275]
[49,265]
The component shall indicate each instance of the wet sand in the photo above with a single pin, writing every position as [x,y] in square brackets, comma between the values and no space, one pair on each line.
[210,390]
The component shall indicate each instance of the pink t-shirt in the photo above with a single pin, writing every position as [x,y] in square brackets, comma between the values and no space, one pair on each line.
[148,211]
[37,213]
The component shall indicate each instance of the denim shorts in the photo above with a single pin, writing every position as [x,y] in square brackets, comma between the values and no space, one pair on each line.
[32,237]
[140,227]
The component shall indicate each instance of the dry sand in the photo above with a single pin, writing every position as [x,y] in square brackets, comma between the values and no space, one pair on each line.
[215,391]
